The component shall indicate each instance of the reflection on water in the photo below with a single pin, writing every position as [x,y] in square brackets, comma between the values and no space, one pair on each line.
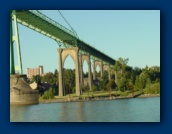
[124,110]
[72,112]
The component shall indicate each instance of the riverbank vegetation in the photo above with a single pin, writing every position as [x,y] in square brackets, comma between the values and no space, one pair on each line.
[125,81]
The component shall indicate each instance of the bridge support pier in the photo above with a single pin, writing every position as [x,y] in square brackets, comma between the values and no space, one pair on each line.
[95,64]
[107,67]
[20,91]
[62,54]
[87,58]
[81,72]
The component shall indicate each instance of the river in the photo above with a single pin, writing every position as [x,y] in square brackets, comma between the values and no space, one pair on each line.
[121,110]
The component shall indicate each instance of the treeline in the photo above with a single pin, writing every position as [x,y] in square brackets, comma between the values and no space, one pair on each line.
[123,78]
[52,80]
[145,80]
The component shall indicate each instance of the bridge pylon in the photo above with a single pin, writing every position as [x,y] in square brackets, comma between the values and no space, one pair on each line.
[14,37]
[20,92]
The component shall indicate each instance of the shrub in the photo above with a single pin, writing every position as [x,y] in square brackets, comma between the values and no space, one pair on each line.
[48,95]
[73,90]
[94,88]
[152,89]
[86,88]
[54,89]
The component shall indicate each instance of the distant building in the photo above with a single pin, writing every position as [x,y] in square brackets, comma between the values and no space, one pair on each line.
[34,71]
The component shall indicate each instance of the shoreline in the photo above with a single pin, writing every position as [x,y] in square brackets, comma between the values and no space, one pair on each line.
[95,99]
[148,95]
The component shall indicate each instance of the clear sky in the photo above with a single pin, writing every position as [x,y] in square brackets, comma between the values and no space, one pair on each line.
[133,34]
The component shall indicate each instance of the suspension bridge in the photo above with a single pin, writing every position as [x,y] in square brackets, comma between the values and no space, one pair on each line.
[69,44]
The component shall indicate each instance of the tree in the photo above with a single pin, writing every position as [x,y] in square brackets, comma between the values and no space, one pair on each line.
[136,86]
[55,72]
[36,78]
[120,68]
[49,78]
[69,80]
[111,86]
[94,88]
[86,88]
[56,77]
[104,80]
[85,75]
[48,94]
[55,89]
[135,72]
[142,80]
[122,73]
[153,88]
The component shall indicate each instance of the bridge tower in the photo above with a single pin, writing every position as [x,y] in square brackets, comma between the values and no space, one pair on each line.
[14,37]
[20,91]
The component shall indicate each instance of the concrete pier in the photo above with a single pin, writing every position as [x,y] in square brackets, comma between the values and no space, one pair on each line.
[63,53]
[20,91]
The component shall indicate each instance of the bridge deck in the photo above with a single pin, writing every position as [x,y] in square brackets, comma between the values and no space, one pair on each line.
[45,25]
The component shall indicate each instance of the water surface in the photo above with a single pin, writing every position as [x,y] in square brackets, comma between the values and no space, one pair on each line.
[122,110]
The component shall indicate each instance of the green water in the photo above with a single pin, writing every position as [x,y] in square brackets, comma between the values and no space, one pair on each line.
[123,110]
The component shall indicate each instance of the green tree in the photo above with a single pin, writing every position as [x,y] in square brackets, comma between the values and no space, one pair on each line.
[104,80]
[49,78]
[143,80]
[111,86]
[86,88]
[122,84]
[36,78]
[48,94]
[122,73]
[136,86]
[94,88]
[55,72]
[56,77]
[135,72]
[69,80]
[55,89]
[152,89]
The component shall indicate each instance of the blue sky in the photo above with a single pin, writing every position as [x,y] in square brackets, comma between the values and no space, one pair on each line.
[133,34]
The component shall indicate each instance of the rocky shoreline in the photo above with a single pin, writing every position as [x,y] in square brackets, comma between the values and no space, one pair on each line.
[148,95]
[94,98]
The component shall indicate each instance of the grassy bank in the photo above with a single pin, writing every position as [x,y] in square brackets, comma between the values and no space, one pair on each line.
[99,95]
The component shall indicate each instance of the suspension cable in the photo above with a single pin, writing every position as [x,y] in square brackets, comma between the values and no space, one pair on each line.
[67,23]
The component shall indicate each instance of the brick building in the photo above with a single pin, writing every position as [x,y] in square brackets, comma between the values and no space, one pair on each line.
[34,71]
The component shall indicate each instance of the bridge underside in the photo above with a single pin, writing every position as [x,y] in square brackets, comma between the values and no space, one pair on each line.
[44,25]
[39,22]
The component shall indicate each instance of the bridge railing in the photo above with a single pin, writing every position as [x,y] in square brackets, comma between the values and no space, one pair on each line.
[38,13]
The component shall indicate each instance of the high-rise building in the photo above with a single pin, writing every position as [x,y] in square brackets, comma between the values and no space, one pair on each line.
[34,71]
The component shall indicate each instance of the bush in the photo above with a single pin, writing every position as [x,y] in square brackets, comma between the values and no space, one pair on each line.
[48,95]
[54,89]
[73,90]
[85,88]
[94,88]
[152,89]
